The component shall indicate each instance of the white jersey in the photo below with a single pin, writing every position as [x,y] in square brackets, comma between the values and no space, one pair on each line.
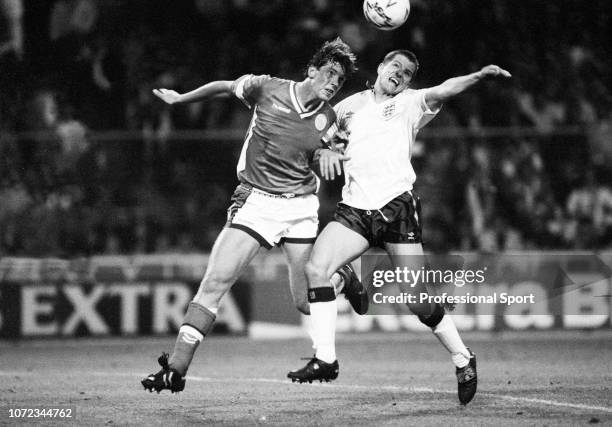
[381,140]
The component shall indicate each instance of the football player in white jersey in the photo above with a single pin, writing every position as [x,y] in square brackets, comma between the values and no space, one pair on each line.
[379,207]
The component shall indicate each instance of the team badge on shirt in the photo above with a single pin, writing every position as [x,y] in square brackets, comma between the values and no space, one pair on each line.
[388,110]
[320,121]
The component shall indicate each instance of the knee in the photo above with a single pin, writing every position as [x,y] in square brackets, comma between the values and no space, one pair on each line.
[431,317]
[218,281]
[316,274]
[419,309]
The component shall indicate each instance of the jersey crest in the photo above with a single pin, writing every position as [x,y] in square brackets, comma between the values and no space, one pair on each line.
[389,110]
[320,122]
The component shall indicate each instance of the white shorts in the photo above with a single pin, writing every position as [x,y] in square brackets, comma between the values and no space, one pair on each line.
[272,219]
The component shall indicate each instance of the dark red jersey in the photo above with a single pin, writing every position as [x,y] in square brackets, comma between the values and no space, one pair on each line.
[281,140]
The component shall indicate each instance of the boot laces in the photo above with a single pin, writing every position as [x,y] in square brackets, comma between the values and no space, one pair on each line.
[163,361]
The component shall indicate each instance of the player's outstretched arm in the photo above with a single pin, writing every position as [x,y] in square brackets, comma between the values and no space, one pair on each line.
[209,90]
[437,95]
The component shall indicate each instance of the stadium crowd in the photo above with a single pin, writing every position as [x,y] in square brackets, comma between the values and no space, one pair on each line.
[75,71]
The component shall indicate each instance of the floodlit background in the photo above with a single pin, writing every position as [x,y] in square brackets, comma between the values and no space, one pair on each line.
[511,165]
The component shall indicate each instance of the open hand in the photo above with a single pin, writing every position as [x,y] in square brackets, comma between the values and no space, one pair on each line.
[494,71]
[167,95]
[330,163]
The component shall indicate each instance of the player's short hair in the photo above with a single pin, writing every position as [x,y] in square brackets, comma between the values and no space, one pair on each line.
[405,53]
[335,51]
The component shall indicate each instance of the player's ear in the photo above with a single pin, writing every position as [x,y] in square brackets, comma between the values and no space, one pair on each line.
[380,67]
[312,71]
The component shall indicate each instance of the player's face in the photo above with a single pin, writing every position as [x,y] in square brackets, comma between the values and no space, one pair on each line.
[327,80]
[396,75]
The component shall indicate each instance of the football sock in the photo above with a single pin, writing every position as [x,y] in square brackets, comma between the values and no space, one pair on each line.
[447,333]
[197,323]
[337,282]
[312,336]
[324,329]
[323,313]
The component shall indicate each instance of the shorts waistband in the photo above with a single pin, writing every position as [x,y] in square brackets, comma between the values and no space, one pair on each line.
[249,187]
[368,211]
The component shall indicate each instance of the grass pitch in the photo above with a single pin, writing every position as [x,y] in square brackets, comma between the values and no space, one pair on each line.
[397,379]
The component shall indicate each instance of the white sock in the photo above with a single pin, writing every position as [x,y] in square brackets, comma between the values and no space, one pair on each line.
[323,319]
[447,333]
[307,323]
[337,283]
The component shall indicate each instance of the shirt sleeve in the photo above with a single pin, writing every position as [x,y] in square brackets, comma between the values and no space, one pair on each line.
[248,88]
[420,113]
[427,114]
[340,123]
[325,142]
[329,135]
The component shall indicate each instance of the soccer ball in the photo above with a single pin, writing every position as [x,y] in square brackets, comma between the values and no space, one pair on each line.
[386,15]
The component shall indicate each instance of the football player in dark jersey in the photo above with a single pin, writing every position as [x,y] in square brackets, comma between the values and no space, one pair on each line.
[275,202]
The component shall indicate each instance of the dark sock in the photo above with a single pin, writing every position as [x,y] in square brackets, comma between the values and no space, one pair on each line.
[197,323]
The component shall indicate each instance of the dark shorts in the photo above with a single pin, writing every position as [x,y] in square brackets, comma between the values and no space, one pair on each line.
[399,221]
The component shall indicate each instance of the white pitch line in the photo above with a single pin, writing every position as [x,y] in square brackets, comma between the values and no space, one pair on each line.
[324,385]
[410,390]
[549,402]
[390,388]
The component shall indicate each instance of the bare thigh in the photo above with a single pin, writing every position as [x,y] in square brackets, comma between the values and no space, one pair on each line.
[232,252]
[411,255]
[336,246]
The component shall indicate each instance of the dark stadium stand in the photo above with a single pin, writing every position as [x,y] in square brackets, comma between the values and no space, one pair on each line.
[532,157]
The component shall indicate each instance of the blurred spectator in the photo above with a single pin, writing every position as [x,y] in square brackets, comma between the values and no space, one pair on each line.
[481,197]
[543,113]
[13,40]
[590,208]
[69,66]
